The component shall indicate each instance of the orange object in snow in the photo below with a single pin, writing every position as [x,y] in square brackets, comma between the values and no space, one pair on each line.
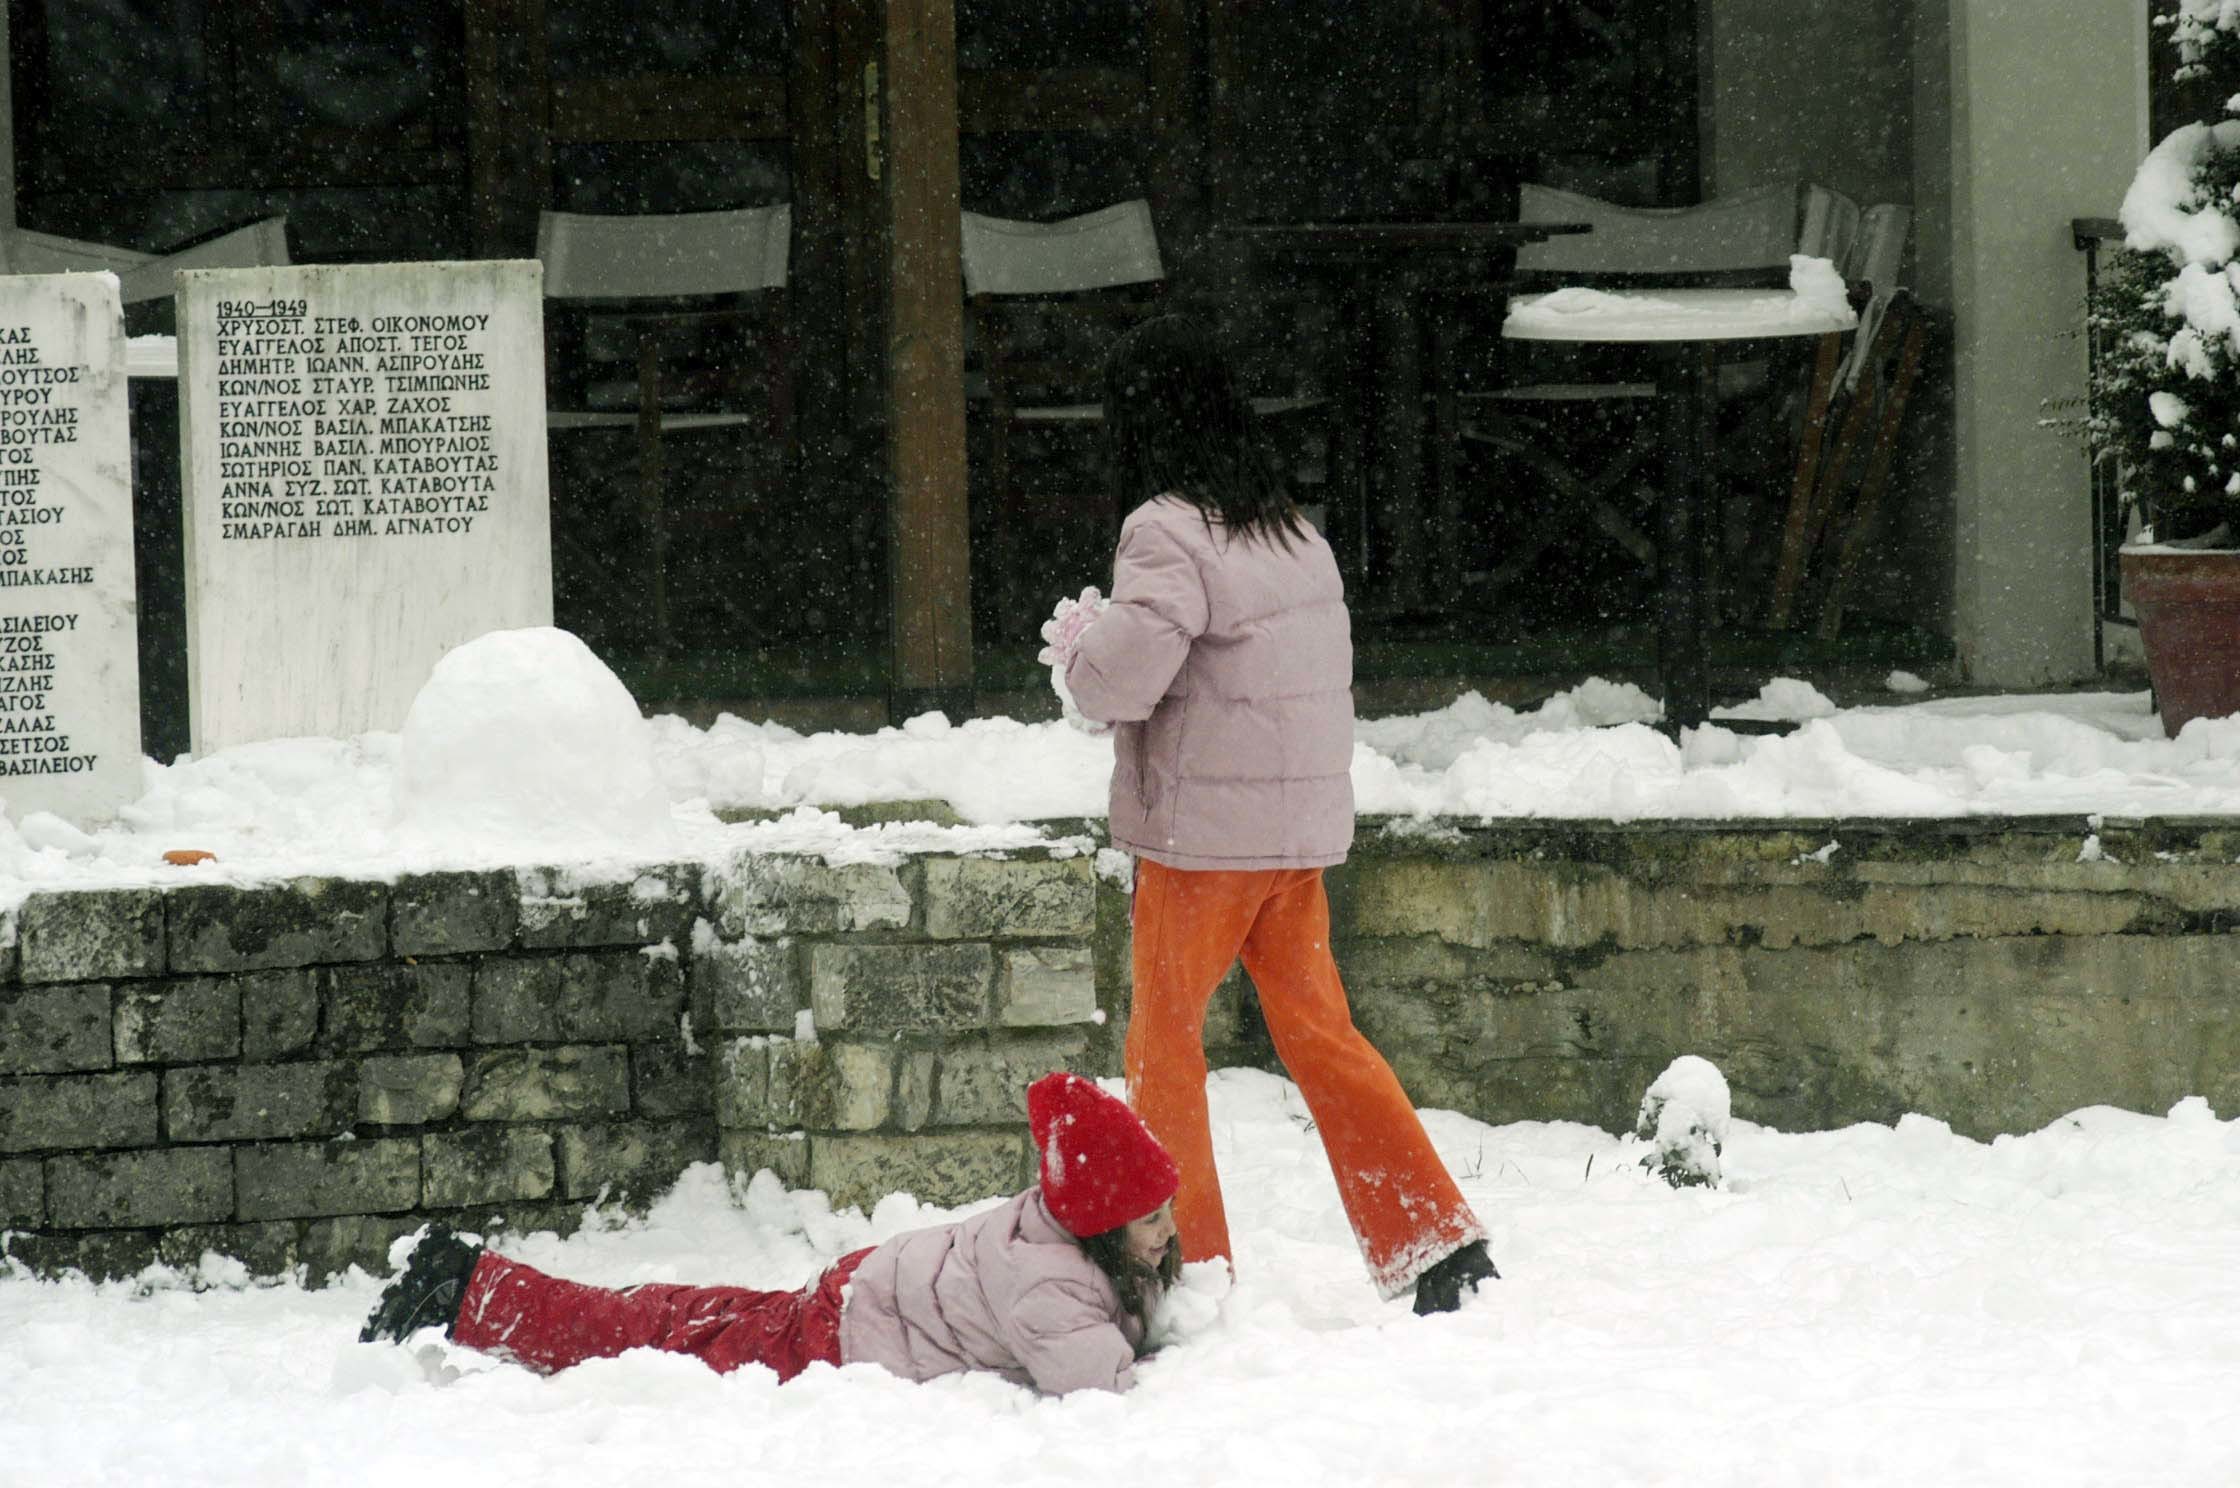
[183,857]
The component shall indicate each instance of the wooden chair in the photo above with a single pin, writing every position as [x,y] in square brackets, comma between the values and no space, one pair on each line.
[1044,301]
[665,319]
[1861,393]
[1599,478]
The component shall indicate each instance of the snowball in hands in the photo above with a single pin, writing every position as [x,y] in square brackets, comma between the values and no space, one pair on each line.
[1061,635]
[526,733]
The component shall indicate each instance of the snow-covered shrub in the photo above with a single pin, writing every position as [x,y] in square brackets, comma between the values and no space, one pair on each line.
[2166,381]
[1685,1114]
[2166,377]
[2207,36]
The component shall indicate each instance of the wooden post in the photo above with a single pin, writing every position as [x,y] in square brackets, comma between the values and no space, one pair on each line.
[1225,111]
[910,147]
[1170,135]
[652,510]
[509,146]
[836,485]
[1788,573]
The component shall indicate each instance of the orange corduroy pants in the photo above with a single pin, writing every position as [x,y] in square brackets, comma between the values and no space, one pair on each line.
[1190,927]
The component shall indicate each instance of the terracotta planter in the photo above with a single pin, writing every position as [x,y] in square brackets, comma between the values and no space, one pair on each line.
[2189,618]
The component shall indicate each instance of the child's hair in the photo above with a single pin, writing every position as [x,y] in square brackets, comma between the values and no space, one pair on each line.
[1175,423]
[1137,1283]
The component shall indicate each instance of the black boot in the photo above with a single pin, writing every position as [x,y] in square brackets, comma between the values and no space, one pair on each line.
[1440,1288]
[428,1290]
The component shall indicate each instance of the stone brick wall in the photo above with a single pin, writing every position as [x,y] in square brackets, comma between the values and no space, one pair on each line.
[933,995]
[298,1073]
[1995,974]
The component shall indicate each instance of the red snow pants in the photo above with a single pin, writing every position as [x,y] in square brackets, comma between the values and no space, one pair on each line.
[1190,927]
[517,1312]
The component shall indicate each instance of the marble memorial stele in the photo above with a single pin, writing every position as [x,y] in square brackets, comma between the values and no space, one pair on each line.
[363,448]
[69,639]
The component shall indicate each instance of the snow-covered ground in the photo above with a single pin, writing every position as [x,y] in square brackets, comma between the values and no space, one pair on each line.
[524,749]
[1870,1306]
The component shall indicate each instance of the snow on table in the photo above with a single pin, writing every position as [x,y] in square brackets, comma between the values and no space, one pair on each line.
[1582,314]
[1813,304]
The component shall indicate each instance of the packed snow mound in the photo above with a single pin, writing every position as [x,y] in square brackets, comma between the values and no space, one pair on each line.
[1685,1112]
[525,733]
[1783,698]
[725,764]
[306,807]
[1820,290]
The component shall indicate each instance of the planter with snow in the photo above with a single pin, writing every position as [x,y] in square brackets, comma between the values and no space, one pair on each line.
[2165,388]
[2188,603]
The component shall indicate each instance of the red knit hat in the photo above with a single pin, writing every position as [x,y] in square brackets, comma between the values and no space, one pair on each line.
[1101,1167]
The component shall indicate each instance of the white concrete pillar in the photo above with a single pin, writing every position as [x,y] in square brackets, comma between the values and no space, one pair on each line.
[2047,122]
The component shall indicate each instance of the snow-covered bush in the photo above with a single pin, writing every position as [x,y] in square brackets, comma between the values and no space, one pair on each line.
[2207,36]
[2166,379]
[1685,1114]
[2166,382]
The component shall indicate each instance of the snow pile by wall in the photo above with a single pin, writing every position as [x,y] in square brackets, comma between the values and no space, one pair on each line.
[525,733]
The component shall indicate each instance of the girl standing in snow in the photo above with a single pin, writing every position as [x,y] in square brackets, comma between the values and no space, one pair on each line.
[1053,1289]
[1225,658]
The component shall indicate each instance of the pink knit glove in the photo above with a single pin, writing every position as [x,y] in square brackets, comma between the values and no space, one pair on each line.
[1062,631]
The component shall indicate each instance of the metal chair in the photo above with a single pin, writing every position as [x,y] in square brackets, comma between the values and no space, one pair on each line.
[1043,301]
[25,252]
[665,316]
[145,277]
[1743,231]
[1744,238]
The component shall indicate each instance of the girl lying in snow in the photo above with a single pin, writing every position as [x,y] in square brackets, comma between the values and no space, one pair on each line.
[1053,1289]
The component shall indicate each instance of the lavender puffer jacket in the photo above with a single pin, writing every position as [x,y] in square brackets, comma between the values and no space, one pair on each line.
[1008,1291]
[1228,666]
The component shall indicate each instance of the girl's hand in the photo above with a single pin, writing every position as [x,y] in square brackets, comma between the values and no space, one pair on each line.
[1061,633]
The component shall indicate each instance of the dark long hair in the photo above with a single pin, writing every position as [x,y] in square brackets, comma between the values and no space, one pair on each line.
[1175,424]
[1138,1285]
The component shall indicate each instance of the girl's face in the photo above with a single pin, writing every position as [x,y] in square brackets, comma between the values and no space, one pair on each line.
[1149,1236]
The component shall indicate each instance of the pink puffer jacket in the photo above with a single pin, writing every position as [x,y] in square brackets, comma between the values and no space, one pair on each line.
[1008,1291]
[1228,666]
